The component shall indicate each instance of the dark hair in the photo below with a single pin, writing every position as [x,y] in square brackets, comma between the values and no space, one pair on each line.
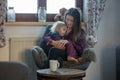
[77,30]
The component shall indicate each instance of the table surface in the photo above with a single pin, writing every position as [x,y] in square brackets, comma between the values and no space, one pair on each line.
[61,72]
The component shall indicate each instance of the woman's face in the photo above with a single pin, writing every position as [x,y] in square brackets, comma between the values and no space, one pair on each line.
[69,21]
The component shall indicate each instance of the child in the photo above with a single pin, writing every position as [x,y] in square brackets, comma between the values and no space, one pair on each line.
[58,31]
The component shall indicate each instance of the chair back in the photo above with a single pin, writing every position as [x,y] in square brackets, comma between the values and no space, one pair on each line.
[47,30]
[46,49]
[13,71]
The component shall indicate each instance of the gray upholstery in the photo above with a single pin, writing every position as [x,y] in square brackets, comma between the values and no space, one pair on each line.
[13,71]
[39,56]
[36,53]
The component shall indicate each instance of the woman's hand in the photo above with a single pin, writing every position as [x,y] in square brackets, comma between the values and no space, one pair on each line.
[59,44]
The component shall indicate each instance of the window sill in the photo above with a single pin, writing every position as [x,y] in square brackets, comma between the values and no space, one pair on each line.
[27,23]
[15,24]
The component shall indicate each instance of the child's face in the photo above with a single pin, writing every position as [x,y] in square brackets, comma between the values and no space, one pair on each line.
[62,30]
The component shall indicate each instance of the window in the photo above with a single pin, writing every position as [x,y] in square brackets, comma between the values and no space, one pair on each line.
[30,14]
[20,6]
[57,4]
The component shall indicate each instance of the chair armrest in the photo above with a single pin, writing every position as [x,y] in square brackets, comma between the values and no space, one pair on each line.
[36,50]
[38,57]
[89,55]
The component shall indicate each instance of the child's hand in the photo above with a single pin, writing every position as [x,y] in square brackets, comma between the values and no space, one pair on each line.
[59,44]
[62,43]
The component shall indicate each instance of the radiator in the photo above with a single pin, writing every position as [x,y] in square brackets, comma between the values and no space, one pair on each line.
[20,50]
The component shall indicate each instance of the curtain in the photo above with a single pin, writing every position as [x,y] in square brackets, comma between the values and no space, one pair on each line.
[94,11]
[3,8]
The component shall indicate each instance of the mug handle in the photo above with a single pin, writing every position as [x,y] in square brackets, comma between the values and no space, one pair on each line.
[58,64]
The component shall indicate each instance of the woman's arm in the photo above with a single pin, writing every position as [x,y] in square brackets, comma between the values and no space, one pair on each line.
[56,43]
[47,39]
[79,45]
[59,44]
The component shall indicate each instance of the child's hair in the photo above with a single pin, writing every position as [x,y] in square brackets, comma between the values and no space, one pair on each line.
[57,25]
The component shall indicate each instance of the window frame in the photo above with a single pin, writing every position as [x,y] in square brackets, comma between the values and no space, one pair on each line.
[32,17]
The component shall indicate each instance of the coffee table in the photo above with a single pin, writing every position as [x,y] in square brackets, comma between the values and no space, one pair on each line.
[60,74]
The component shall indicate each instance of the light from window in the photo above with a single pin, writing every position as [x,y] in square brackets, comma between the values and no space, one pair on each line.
[53,6]
[23,6]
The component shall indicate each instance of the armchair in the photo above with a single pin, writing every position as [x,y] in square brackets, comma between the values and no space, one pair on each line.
[37,50]
[13,71]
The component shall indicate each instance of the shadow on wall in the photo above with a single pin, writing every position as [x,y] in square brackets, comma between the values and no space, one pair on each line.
[108,63]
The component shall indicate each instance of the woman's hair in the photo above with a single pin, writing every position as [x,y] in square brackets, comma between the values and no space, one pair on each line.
[77,29]
[57,25]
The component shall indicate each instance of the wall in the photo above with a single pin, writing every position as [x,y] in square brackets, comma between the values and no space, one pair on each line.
[108,39]
[18,31]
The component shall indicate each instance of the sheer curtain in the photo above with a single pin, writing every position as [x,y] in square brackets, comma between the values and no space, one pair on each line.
[93,11]
[3,8]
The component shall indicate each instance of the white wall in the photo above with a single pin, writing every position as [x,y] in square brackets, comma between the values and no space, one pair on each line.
[108,39]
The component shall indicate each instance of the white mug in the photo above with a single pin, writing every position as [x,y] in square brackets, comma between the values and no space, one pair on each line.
[54,65]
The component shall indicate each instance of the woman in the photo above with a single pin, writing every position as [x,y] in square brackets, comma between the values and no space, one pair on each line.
[74,34]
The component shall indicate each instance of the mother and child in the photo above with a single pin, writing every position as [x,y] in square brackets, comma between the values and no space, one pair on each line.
[66,39]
